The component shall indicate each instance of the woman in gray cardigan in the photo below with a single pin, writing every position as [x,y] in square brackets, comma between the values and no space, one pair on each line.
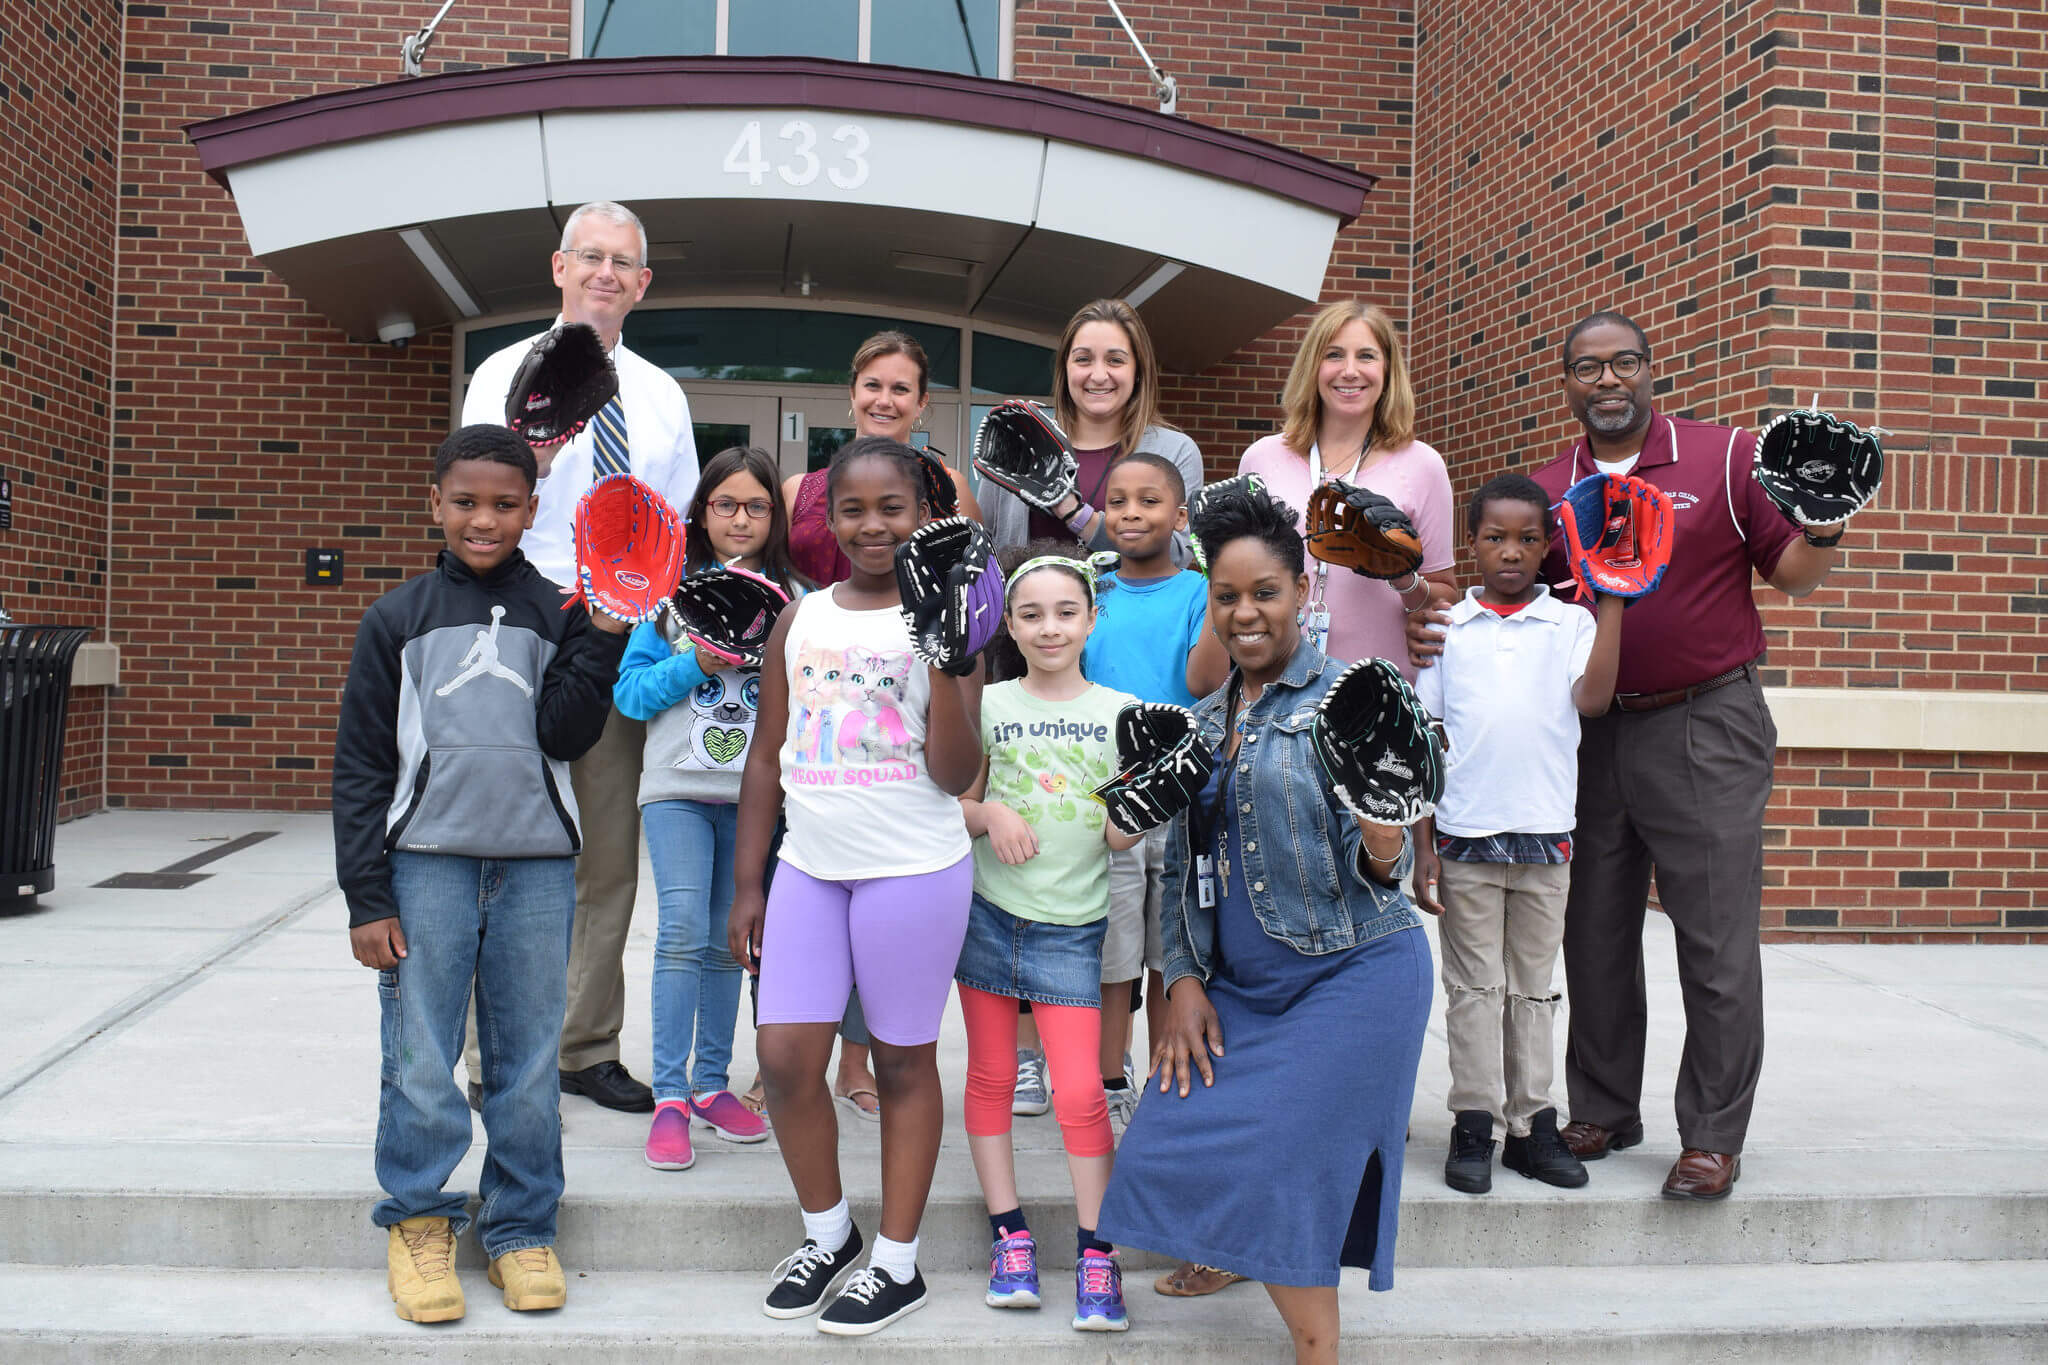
[1105,396]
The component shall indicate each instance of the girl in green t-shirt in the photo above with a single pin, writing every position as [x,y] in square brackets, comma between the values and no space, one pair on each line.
[1041,904]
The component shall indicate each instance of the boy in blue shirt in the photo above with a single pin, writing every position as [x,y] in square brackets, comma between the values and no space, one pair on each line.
[1151,640]
[469,693]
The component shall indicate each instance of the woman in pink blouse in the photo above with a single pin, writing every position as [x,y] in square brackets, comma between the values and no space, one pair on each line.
[1350,415]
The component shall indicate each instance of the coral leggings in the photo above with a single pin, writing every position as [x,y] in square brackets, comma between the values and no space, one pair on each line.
[1072,1035]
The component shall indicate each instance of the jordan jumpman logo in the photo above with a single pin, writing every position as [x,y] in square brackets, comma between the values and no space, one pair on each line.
[483,658]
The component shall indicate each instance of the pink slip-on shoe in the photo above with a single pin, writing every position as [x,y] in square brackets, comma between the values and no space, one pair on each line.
[668,1138]
[724,1115]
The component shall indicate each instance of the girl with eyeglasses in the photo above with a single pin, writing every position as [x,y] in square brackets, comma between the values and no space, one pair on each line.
[700,709]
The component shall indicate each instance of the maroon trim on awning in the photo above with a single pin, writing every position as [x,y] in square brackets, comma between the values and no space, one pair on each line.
[772,82]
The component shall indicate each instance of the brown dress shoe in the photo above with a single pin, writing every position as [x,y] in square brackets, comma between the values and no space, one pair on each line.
[1189,1280]
[1702,1175]
[1590,1142]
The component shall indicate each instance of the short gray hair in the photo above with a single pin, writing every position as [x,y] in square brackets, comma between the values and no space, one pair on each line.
[617,214]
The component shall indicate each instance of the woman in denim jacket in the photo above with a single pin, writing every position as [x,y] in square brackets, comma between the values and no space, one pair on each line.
[1289,940]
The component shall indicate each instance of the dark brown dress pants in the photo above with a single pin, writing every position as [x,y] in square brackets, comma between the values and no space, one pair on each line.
[1681,790]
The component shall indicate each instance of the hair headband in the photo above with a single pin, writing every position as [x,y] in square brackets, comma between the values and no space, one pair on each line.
[1079,568]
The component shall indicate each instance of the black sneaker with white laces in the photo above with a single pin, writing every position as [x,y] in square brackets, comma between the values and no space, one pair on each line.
[870,1302]
[806,1276]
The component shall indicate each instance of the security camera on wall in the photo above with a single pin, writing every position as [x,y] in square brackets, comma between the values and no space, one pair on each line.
[397,334]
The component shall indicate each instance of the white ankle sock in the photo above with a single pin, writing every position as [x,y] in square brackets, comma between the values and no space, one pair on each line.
[898,1259]
[829,1229]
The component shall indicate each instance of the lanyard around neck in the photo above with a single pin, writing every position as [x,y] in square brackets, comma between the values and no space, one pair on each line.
[1315,481]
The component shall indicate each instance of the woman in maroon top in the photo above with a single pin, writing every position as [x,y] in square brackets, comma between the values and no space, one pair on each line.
[890,392]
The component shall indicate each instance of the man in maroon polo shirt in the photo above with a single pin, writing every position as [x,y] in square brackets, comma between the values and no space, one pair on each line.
[1677,774]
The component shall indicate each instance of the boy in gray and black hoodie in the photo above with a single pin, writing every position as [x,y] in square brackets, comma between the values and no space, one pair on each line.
[469,693]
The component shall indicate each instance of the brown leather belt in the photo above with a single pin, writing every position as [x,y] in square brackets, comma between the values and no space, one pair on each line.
[1657,701]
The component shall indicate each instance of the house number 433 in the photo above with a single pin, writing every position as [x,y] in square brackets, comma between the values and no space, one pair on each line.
[844,159]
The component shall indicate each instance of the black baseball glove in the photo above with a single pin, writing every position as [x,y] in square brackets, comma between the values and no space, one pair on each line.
[727,614]
[1162,767]
[1021,448]
[1375,747]
[952,592]
[939,492]
[564,381]
[1817,468]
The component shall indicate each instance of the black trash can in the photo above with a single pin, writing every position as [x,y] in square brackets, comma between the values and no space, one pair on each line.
[35,695]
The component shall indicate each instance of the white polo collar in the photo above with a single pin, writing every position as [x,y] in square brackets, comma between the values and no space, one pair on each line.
[1544,606]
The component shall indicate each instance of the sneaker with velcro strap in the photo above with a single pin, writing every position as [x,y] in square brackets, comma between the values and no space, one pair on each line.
[871,1301]
[807,1275]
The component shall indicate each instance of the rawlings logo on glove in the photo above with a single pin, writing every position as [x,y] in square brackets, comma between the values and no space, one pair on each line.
[564,381]
[728,613]
[1362,531]
[1375,746]
[1022,449]
[1162,768]
[952,592]
[1817,468]
[629,549]
[1618,531]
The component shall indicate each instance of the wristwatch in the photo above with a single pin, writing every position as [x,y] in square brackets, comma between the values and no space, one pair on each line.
[1823,542]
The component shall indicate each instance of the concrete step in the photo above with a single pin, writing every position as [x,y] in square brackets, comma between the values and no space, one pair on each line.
[270,1205]
[1955,1312]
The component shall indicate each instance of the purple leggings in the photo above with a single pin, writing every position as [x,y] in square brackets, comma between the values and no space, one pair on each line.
[897,938]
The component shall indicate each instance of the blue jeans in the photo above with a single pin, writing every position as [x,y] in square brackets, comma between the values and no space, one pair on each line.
[504,924]
[696,981]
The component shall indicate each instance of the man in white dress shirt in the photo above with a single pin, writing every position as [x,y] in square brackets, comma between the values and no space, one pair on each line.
[602,272]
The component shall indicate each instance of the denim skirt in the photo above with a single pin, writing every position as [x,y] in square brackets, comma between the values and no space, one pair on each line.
[1047,964]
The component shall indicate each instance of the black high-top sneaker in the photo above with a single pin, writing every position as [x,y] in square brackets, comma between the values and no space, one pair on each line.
[1542,1155]
[1469,1167]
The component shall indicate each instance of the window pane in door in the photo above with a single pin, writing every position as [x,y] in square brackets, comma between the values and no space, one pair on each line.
[938,35]
[793,28]
[825,441]
[649,28]
[713,437]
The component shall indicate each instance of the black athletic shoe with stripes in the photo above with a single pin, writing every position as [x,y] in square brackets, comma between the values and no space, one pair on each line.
[807,1274]
[870,1302]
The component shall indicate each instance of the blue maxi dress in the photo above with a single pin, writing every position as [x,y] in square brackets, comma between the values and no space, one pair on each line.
[1289,1167]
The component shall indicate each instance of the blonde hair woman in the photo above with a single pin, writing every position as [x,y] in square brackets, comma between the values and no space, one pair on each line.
[1350,415]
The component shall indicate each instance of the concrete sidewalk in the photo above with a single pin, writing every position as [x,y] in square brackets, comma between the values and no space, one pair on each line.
[190,1079]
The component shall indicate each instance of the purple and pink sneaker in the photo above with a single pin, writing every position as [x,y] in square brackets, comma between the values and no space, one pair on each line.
[724,1115]
[1013,1271]
[1099,1294]
[668,1138]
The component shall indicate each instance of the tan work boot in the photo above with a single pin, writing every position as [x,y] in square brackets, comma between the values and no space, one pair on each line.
[421,1257]
[531,1278]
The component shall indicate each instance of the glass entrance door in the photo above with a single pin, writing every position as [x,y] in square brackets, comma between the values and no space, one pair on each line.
[800,425]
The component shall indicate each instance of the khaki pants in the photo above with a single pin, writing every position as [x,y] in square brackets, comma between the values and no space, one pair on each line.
[607,785]
[1502,925]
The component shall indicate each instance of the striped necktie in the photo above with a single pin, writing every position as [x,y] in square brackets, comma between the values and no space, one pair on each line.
[610,428]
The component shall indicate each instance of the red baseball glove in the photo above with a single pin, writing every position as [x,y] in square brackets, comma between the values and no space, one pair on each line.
[629,549]
[1618,531]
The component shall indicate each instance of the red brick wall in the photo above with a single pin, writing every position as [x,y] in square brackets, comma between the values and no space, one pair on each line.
[1844,197]
[1335,81]
[248,430]
[59,127]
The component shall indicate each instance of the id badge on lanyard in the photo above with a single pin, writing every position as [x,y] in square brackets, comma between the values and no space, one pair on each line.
[1317,626]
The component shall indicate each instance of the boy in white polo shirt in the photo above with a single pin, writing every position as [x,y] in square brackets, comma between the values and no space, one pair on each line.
[1519,668]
